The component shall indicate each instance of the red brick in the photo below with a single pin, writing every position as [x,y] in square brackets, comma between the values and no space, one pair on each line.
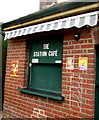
[88,96]
[86,35]
[90,112]
[87,106]
[23,104]
[57,112]
[86,116]
[49,114]
[68,47]
[90,102]
[75,108]
[87,46]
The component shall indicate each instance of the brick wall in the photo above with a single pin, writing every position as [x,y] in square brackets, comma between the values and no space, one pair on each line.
[77,85]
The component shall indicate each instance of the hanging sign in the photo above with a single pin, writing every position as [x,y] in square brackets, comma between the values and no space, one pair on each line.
[14,68]
[70,63]
[83,63]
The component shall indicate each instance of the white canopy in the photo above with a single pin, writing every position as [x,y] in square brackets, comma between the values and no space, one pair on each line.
[78,21]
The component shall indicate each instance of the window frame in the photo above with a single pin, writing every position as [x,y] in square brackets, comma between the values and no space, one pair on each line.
[28,90]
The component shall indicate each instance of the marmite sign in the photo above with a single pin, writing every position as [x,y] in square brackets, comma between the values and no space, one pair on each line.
[46,51]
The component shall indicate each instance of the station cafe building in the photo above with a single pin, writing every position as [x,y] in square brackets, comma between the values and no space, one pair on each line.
[52,66]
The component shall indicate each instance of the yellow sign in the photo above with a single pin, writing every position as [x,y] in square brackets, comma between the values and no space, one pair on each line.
[14,68]
[83,63]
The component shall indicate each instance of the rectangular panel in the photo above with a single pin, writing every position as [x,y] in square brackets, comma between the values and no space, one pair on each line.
[46,77]
[46,50]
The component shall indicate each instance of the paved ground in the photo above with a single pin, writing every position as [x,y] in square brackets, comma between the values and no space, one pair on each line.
[4,115]
[0,115]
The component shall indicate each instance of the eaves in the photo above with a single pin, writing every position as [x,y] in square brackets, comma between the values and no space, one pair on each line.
[60,11]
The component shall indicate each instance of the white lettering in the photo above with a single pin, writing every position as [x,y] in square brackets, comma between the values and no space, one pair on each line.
[45,53]
[35,54]
[45,46]
[40,54]
[52,53]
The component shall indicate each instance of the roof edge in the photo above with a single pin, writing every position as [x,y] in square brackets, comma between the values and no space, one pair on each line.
[50,13]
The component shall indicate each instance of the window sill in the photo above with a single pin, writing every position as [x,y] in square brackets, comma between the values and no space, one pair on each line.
[41,93]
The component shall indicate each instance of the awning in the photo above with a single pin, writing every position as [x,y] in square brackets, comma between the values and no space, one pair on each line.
[78,21]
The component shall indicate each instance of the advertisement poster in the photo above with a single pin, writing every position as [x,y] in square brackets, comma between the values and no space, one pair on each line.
[14,68]
[70,63]
[83,63]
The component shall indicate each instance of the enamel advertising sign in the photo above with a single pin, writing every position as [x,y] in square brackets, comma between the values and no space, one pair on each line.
[83,63]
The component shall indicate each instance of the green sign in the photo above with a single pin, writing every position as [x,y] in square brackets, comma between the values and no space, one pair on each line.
[46,50]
